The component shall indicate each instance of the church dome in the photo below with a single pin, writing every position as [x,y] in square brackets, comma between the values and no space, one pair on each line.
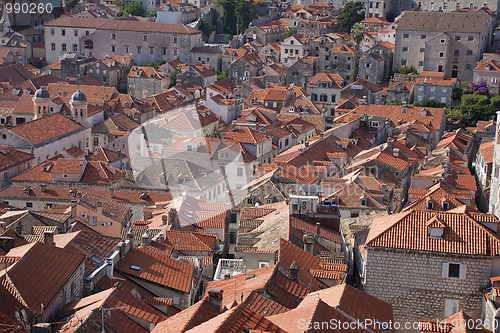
[78,96]
[42,93]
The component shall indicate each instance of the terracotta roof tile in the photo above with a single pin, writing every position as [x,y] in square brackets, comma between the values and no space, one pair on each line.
[158,268]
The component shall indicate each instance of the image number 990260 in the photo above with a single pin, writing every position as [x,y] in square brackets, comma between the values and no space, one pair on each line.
[25,7]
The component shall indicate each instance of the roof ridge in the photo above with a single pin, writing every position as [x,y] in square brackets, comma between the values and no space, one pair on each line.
[11,288]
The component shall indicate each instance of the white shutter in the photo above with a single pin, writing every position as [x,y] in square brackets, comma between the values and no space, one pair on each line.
[444,270]
[463,268]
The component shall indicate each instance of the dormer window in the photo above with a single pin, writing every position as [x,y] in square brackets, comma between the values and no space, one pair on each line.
[445,205]
[436,232]
[27,190]
[435,228]
[429,204]
[363,202]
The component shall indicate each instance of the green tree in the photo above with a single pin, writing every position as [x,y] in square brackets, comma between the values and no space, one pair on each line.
[134,8]
[431,103]
[222,75]
[206,27]
[357,33]
[173,78]
[291,32]
[351,14]
[152,14]
[118,3]
[236,14]
[405,69]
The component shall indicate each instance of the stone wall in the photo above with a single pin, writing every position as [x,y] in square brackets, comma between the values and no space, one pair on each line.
[412,282]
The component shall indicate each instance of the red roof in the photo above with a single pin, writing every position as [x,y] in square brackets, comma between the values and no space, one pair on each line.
[158,268]
[408,230]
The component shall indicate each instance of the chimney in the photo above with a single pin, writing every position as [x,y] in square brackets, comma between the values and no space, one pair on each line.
[43,188]
[19,228]
[123,249]
[161,237]
[215,297]
[294,271]
[48,237]
[164,219]
[395,152]
[145,237]
[172,216]
[7,243]
[318,228]
[112,192]
[309,241]
[99,208]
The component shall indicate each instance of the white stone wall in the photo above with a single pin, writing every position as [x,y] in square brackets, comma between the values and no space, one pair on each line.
[412,282]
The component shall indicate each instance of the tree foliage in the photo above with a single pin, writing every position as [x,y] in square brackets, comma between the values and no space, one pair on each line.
[357,33]
[222,75]
[405,69]
[152,14]
[431,103]
[134,8]
[473,107]
[206,27]
[236,14]
[173,78]
[291,32]
[118,3]
[351,14]
[154,64]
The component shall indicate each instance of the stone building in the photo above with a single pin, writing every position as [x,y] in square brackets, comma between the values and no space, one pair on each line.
[371,68]
[300,72]
[495,180]
[488,70]
[436,269]
[146,81]
[245,67]
[451,43]
[98,37]
[344,60]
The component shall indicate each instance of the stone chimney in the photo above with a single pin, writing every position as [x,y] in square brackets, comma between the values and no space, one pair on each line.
[294,271]
[145,237]
[99,208]
[130,237]
[112,192]
[164,219]
[318,228]
[48,237]
[19,228]
[43,188]
[7,243]
[172,216]
[215,297]
[161,238]
[309,241]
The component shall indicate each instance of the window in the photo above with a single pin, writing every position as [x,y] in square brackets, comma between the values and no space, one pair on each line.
[151,49]
[468,66]
[239,172]
[436,233]
[441,54]
[363,202]
[145,38]
[420,63]
[443,41]
[263,264]
[96,141]
[422,49]
[454,270]
[232,237]
[139,49]
[445,205]
[406,36]
[52,32]
[250,201]
[405,49]
[470,39]
[86,32]
[456,52]
[469,52]
[233,218]
[423,36]
[75,33]
[63,32]
[403,62]
[164,50]
[63,47]
[450,307]
[29,204]
[5,175]
[286,142]
[75,47]
[53,46]
[348,58]
[113,48]
[334,98]
[175,52]
[113,36]
[175,39]
[458,37]
[93,220]
[323,98]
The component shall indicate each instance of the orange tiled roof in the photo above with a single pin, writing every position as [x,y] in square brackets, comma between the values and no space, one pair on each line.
[158,268]
[462,235]
[47,128]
